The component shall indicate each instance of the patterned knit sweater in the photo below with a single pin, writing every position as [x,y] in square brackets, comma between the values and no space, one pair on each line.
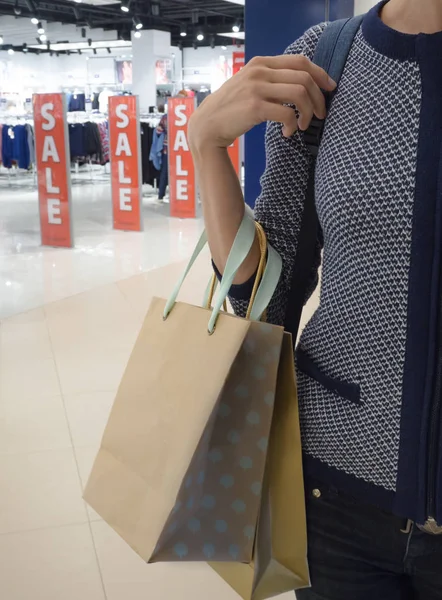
[368,359]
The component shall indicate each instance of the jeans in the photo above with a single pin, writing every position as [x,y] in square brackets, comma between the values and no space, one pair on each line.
[164,177]
[358,552]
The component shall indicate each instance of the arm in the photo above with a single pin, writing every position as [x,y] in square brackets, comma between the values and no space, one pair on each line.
[261,91]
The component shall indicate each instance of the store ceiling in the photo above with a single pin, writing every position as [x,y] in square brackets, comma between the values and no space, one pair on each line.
[101,20]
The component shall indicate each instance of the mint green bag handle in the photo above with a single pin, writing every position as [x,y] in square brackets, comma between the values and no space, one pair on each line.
[240,249]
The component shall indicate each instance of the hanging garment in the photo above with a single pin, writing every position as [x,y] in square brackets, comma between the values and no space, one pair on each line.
[164,177]
[31,143]
[94,100]
[150,174]
[20,147]
[7,146]
[103,130]
[157,149]
[77,102]
[77,144]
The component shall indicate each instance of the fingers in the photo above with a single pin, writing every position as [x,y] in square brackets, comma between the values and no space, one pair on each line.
[281,114]
[309,100]
[296,62]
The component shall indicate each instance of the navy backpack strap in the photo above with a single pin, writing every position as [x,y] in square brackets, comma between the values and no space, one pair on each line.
[331,54]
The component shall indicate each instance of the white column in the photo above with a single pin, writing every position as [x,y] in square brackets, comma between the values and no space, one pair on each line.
[146,50]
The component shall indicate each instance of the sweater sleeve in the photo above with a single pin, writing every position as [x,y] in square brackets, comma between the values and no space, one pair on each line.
[280,206]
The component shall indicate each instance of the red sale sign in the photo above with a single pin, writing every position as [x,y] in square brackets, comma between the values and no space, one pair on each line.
[181,170]
[53,169]
[125,155]
[239,59]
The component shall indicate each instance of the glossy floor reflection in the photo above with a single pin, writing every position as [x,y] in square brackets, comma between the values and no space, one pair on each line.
[31,275]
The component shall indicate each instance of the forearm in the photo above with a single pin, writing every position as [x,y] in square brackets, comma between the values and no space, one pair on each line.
[223,206]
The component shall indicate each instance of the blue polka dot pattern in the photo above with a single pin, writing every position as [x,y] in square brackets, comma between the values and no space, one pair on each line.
[246,463]
[259,372]
[221,526]
[242,391]
[224,410]
[215,455]
[256,488]
[269,398]
[218,503]
[239,506]
[194,525]
[173,527]
[209,551]
[253,418]
[233,436]
[249,346]
[263,444]
[181,550]
[208,502]
[227,481]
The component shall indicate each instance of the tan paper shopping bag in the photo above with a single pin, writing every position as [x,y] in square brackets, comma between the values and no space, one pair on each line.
[279,561]
[185,447]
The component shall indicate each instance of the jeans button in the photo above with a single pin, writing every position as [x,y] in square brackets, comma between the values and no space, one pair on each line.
[316,493]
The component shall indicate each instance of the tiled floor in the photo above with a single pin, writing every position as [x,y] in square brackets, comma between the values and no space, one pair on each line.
[60,365]
[31,275]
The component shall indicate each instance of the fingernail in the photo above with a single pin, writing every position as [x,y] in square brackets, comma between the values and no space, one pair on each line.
[332,83]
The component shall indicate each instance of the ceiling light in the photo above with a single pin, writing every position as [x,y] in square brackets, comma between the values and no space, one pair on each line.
[137,34]
[200,37]
[40,28]
[25,47]
[236,28]
[34,20]
[78,1]
[17,8]
[1,40]
[43,37]
[183,31]
[137,23]
[10,51]
[124,6]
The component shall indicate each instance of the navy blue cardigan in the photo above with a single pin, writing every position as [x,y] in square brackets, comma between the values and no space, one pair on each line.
[369,362]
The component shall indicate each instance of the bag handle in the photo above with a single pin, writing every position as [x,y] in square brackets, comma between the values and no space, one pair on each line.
[241,247]
[267,277]
[210,292]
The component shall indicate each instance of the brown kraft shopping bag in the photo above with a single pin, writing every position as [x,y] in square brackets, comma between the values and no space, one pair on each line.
[182,463]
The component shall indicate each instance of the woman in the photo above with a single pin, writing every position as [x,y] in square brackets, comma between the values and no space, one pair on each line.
[371,379]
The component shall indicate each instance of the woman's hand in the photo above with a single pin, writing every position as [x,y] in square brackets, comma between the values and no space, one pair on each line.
[257,94]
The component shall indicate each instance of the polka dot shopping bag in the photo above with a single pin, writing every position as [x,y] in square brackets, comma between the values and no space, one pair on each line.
[201,457]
